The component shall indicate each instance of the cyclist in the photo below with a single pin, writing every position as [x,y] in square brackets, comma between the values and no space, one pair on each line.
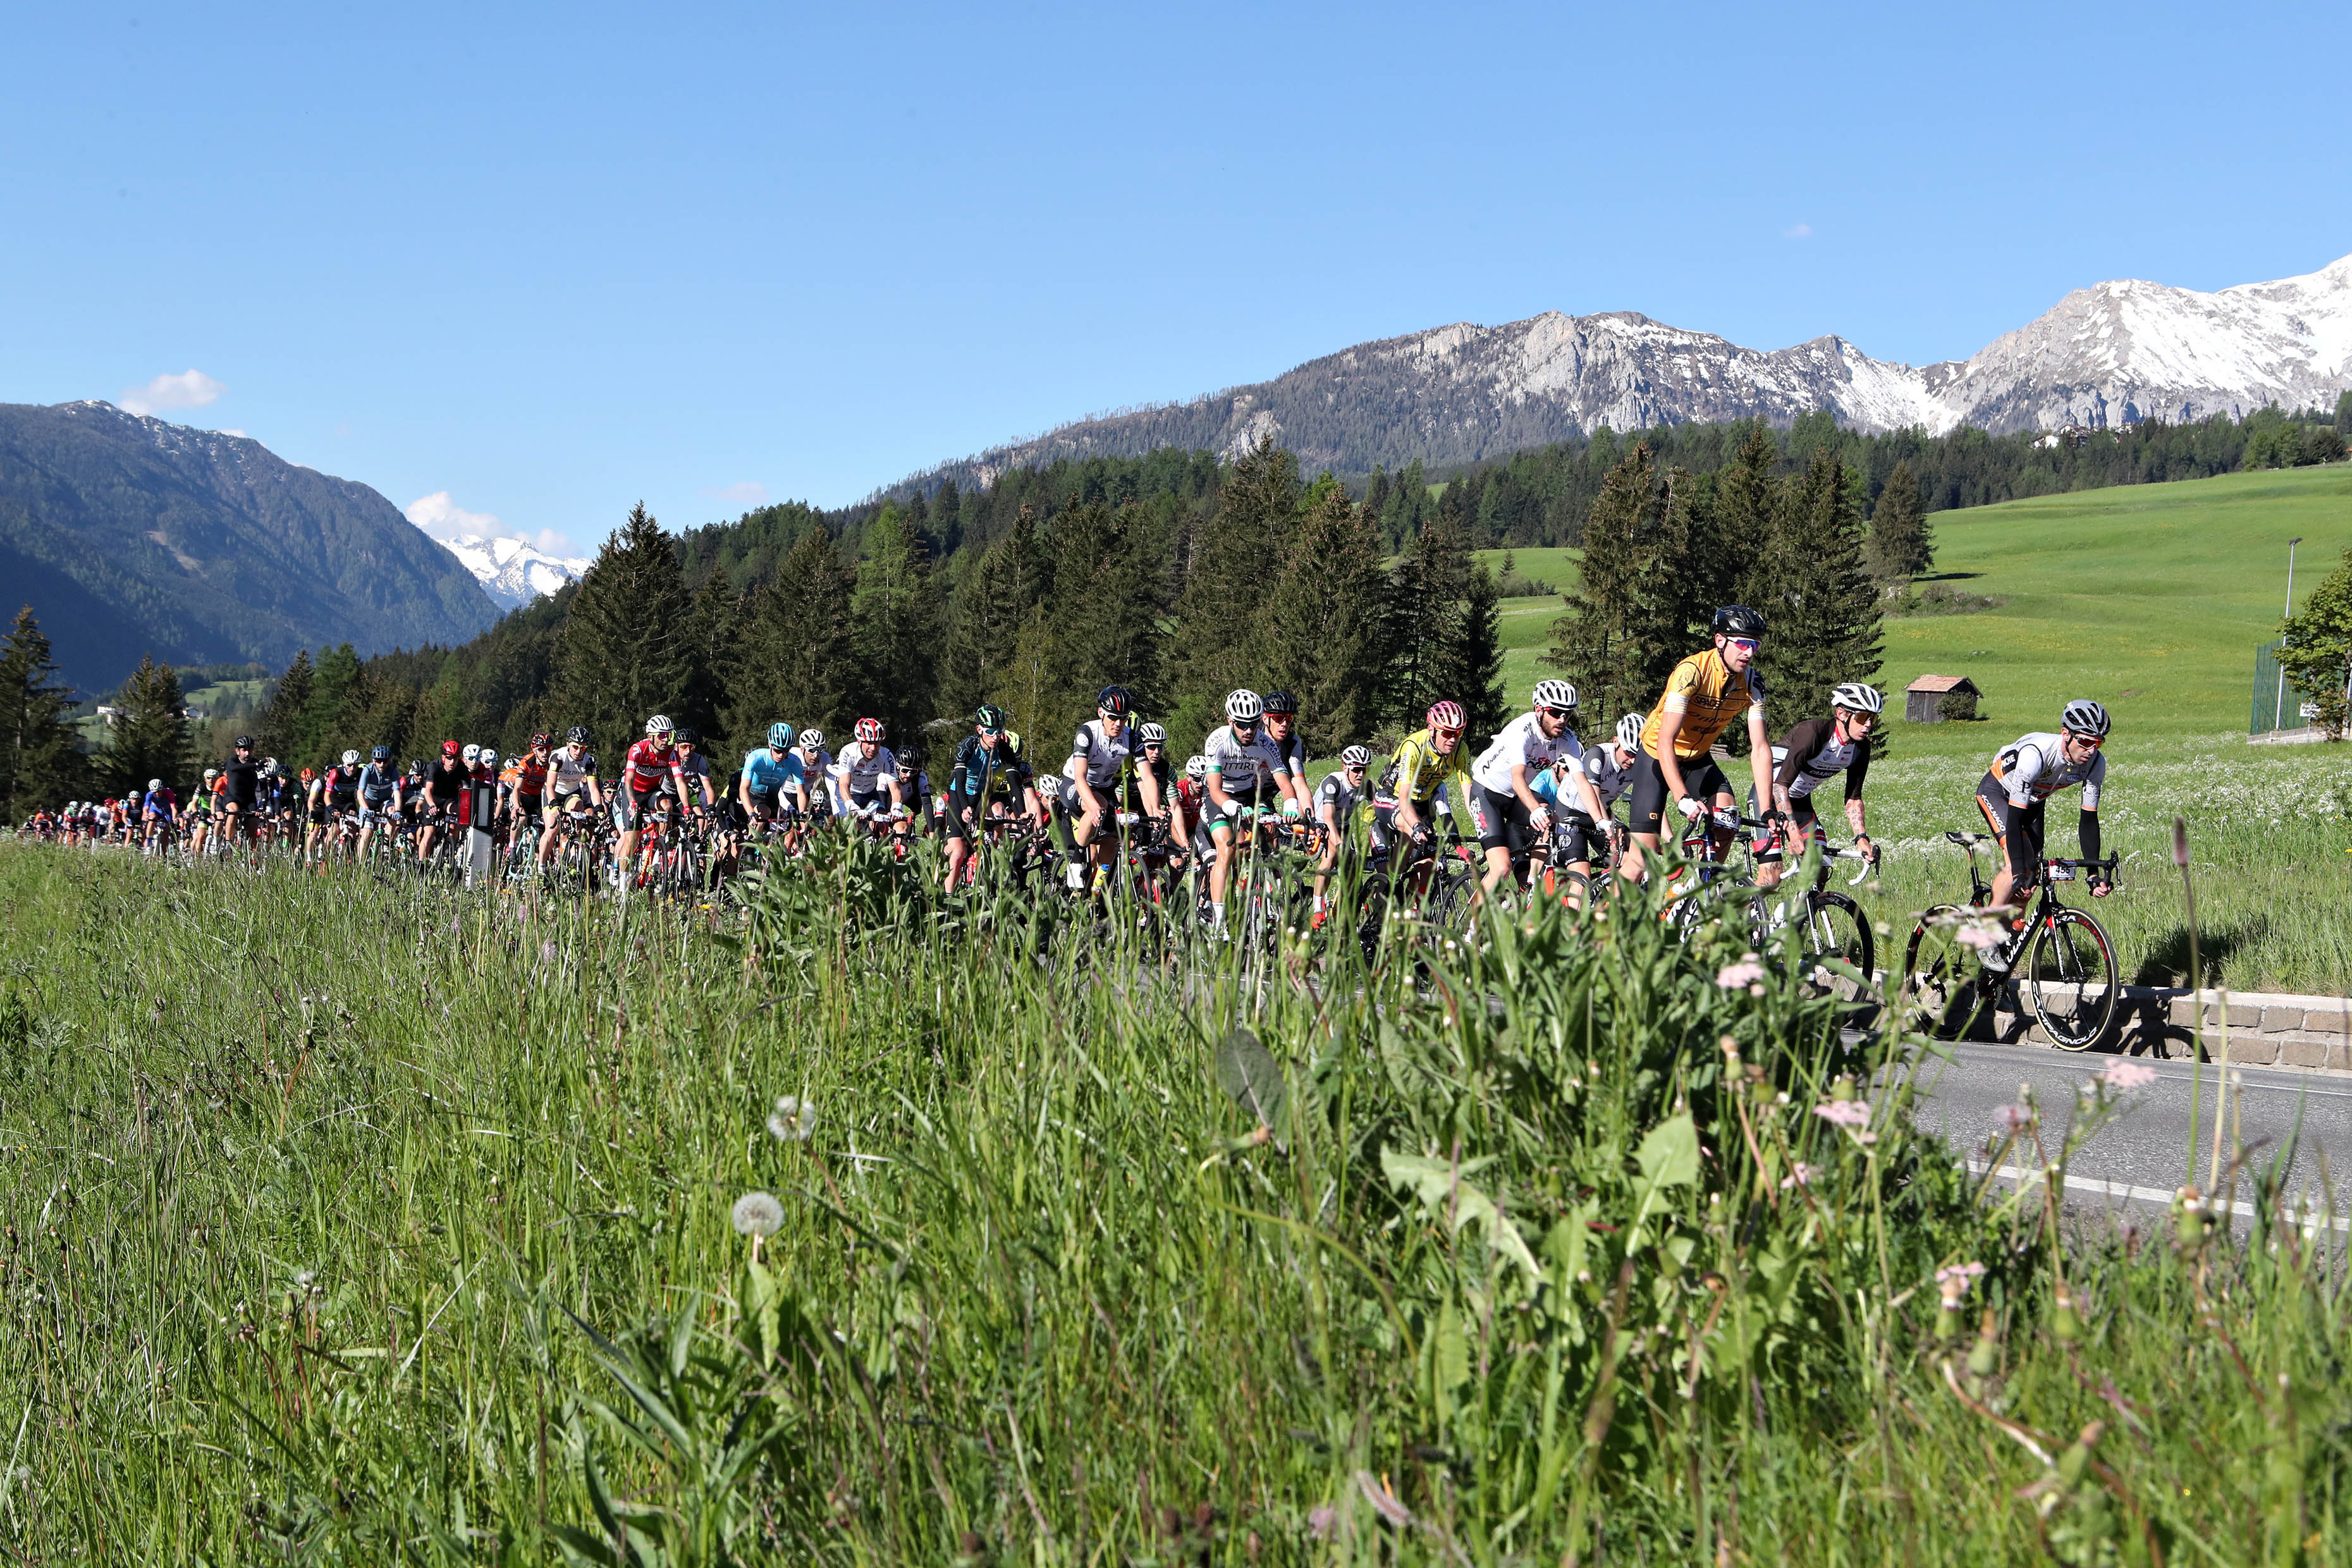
[1817,751]
[445,782]
[1096,773]
[1282,730]
[865,774]
[760,787]
[1430,759]
[987,767]
[159,813]
[571,775]
[1504,776]
[379,793]
[335,790]
[1150,789]
[527,801]
[240,790]
[649,765]
[915,789]
[1243,771]
[1336,801]
[2018,786]
[1704,695]
[815,786]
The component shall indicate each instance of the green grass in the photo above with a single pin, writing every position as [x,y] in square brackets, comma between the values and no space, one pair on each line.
[321,1193]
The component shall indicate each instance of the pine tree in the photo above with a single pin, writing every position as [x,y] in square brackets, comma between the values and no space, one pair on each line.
[1423,628]
[1594,643]
[1100,620]
[796,662]
[322,717]
[39,763]
[1324,620]
[1810,585]
[1232,556]
[1476,676]
[441,713]
[150,741]
[1900,546]
[896,620]
[281,721]
[998,598]
[715,628]
[1681,579]
[626,652]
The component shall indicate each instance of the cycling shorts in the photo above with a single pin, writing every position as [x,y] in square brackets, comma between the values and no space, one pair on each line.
[318,814]
[1576,836]
[764,804]
[1503,820]
[2019,830]
[1651,803]
[629,805]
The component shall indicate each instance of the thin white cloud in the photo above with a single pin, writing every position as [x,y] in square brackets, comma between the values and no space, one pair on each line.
[748,493]
[190,388]
[441,517]
[1798,231]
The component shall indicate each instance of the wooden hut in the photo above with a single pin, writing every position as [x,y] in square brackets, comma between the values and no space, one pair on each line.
[1932,698]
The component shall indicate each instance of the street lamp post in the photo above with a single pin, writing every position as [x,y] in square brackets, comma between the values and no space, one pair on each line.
[2278,707]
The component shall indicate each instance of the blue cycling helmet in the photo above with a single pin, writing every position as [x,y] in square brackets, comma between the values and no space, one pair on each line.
[780,735]
[381,754]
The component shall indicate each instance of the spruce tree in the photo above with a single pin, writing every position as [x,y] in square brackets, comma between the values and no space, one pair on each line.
[281,721]
[1810,585]
[1475,678]
[321,718]
[1682,581]
[442,713]
[715,628]
[796,663]
[1101,623]
[1233,556]
[998,597]
[896,621]
[1594,643]
[1423,628]
[1900,545]
[39,763]
[626,652]
[1324,620]
[150,741]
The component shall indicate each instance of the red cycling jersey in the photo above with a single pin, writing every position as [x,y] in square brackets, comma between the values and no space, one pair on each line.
[530,775]
[643,769]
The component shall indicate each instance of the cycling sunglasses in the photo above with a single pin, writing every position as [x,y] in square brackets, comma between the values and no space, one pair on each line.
[1561,712]
[1448,734]
[1749,643]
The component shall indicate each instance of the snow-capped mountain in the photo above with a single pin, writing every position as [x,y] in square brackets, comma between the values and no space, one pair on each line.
[511,572]
[2107,355]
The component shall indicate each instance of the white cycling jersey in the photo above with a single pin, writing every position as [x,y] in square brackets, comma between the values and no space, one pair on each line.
[1522,742]
[861,768]
[569,770]
[1243,767]
[1335,792]
[2034,767]
[1101,756]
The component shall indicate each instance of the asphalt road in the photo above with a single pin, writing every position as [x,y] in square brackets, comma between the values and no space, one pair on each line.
[2136,1161]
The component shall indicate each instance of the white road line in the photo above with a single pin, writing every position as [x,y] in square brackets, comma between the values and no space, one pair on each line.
[2019,1175]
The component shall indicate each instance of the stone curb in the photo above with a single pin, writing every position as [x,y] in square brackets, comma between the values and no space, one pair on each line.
[2268,1029]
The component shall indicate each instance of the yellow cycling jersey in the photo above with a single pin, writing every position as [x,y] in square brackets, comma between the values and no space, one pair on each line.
[1709,698]
[1416,771]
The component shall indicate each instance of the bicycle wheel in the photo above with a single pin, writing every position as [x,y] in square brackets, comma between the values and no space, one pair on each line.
[1836,928]
[1945,996]
[2071,979]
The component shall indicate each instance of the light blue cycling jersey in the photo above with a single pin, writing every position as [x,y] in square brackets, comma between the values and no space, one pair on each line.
[768,775]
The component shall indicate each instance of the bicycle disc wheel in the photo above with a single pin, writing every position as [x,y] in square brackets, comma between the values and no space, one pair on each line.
[1943,995]
[2071,979]
[1836,928]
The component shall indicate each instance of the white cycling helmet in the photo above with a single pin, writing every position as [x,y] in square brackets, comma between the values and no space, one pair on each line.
[1555,694]
[1861,699]
[1355,757]
[658,726]
[1196,767]
[472,753]
[351,759]
[154,784]
[1242,704]
[1628,730]
[812,738]
[1151,735]
[2085,717]
[212,773]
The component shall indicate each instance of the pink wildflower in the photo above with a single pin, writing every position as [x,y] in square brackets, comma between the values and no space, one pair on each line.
[2120,1074]
[1747,971]
[1845,1113]
[1799,1175]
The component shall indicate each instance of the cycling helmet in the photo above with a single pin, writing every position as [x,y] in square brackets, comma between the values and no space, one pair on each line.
[1738,621]
[351,759]
[1280,701]
[154,784]
[1861,699]
[211,773]
[780,735]
[812,740]
[1196,767]
[1114,699]
[473,754]
[269,766]
[450,747]
[1151,735]
[244,742]
[657,726]
[541,740]
[989,717]
[2085,717]
[1446,716]
[381,755]
[870,731]
[1355,757]
[1629,731]
[686,735]
[577,735]
[510,762]
[308,775]
[1555,694]
[1243,707]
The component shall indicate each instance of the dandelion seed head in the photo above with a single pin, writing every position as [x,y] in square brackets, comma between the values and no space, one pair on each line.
[2015,1118]
[793,1120]
[758,1214]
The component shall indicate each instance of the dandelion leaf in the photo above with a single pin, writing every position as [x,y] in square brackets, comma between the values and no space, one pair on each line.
[1444,1189]
[1251,1075]
[1669,1155]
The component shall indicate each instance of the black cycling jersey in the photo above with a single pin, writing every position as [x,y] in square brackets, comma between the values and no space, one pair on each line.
[1812,755]
[241,776]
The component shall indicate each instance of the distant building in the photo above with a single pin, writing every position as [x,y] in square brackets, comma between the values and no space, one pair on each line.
[1932,698]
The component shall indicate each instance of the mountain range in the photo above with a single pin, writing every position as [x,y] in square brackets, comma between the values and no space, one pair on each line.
[129,535]
[511,572]
[2111,354]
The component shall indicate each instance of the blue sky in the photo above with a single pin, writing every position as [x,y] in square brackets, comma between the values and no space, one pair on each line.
[542,262]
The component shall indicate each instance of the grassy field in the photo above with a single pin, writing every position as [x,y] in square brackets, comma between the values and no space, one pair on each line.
[359,1221]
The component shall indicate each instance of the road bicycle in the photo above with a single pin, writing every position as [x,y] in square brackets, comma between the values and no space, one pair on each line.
[1433,884]
[2067,973]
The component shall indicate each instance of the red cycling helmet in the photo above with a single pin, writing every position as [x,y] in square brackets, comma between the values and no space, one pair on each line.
[870,731]
[448,747]
[1447,716]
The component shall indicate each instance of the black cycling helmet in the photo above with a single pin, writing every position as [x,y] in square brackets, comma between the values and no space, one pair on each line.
[577,735]
[989,717]
[244,742]
[684,735]
[416,764]
[1280,701]
[1114,699]
[1738,621]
